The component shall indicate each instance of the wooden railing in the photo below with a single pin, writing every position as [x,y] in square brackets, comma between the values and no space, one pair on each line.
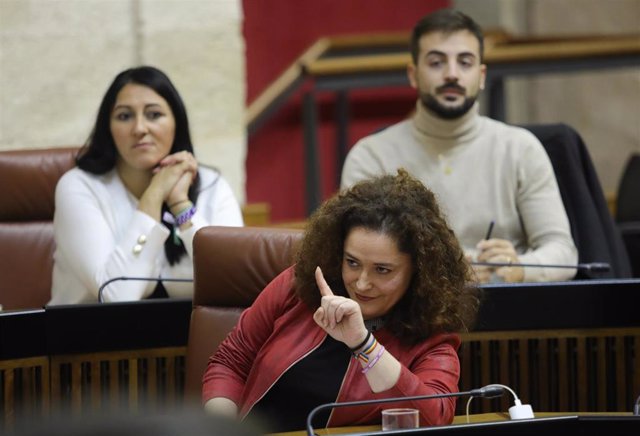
[388,52]
[341,64]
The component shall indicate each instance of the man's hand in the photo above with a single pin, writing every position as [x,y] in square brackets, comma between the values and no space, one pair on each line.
[498,251]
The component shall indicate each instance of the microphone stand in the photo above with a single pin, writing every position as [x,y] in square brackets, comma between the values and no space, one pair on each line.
[591,267]
[485,392]
[143,279]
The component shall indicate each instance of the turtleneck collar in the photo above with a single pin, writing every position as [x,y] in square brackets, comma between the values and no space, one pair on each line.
[433,128]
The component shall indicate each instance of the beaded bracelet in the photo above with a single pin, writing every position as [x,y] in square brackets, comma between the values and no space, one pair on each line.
[374,361]
[185,216]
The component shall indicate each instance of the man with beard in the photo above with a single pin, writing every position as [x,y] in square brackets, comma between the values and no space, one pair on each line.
[483,171]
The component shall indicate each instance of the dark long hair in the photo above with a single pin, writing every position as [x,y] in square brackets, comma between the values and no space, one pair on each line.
[99,154]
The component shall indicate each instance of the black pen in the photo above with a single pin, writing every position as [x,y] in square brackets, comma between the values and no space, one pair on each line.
[489,230]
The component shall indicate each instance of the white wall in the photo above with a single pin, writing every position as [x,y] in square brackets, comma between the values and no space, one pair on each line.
[57,58]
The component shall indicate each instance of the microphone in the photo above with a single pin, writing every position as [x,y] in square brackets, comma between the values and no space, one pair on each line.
[142,279]
[489,391]
[517,411]
[590,267]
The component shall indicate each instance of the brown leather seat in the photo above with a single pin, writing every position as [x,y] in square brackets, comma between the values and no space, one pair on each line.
[231,267]
[28,180]
[27,196]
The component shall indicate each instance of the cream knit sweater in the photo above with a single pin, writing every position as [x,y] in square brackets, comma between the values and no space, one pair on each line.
[480,170]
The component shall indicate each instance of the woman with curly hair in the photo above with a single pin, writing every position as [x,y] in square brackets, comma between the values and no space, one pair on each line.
[372,308]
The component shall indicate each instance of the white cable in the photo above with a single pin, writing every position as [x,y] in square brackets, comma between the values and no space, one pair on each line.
[468,404]
[488,386]
[517,411]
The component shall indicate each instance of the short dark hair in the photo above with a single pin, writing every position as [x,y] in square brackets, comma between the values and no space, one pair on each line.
[442,296]
[446,21]
[99,154]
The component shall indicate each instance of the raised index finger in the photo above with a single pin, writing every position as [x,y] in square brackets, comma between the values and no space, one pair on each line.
[325,290]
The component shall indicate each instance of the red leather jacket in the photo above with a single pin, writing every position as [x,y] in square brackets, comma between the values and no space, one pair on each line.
[278,330]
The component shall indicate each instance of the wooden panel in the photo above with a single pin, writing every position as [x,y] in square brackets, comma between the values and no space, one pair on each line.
[593,370]
[601,372]
[583,370]
[133,384]
[119,379]
[96,398]
[152,383]
[8,395]
[620,362]
[523,371]
[504,365]
[635,375]
[542,381]
[25,389]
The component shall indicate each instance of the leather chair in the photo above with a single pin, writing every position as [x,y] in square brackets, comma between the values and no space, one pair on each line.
[28,179]
[231,267]
[628,211]
[593,228]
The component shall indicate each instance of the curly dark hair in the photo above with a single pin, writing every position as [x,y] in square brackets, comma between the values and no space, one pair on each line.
[442,296]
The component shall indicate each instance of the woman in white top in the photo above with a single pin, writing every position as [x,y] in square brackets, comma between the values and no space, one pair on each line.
[136,198]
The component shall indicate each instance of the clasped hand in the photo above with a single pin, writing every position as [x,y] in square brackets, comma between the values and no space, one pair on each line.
[339,316]
[173,176]
[498,251]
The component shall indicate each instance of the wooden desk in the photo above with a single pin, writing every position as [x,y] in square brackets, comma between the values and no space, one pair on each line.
[458,420]
[90,358]
[560,346]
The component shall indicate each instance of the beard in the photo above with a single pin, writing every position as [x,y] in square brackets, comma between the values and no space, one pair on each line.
[447,112]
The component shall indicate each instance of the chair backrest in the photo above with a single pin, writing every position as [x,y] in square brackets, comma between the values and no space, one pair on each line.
[28,179]
[628,196]
[231,267]
[592,226]
[628,211]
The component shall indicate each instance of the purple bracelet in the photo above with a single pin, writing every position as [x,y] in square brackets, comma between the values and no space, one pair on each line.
[374,361]
[185,216]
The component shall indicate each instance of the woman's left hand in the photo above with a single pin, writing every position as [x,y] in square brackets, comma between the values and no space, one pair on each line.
[180,190]
[340,317]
